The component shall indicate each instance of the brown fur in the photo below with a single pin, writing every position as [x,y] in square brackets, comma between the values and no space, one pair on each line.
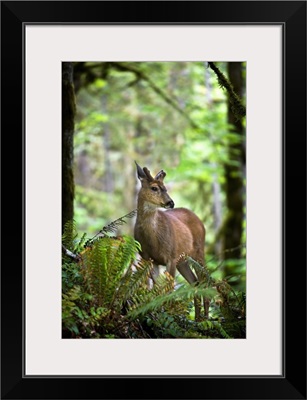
[167,235]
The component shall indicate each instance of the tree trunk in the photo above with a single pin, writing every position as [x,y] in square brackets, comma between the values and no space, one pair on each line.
[108,182]
[68,115]
[234,175]
[216,187]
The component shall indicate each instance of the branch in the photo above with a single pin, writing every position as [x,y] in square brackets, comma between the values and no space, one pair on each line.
[141,76]
[70,254]
[238,107]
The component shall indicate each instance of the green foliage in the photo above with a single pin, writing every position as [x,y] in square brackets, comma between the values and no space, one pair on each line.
[153,301]
[104,264]
[105,294]
[170,115]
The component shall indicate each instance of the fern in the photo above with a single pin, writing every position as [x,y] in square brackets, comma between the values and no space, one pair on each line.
[123,258]
[201,271]
[104,264]
[164,325]
[69,235]
[111,227]
[186,293]
[142,294]
[106,294]
[136,281]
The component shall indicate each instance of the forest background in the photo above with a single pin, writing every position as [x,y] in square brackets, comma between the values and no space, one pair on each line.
[187,118]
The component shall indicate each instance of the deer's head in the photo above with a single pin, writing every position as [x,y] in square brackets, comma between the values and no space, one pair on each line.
[153,193]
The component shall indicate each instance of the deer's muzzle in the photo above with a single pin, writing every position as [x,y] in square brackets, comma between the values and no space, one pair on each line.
[170,204]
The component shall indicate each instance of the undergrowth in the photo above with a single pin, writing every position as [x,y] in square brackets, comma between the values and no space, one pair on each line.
[106,293]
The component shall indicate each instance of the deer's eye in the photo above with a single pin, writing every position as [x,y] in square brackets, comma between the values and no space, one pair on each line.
[154,188]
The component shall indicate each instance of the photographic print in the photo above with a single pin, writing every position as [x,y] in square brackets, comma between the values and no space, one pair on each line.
[153,205]
[154,200]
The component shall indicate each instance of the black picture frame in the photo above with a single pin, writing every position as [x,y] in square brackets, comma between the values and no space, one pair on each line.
[292,16]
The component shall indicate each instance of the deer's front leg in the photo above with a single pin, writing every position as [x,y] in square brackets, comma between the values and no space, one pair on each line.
[188,274]
[155,272]
[171,268]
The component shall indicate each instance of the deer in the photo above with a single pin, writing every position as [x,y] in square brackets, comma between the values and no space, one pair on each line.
[168,234]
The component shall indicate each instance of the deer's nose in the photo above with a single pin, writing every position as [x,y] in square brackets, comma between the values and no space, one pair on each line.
[170,204]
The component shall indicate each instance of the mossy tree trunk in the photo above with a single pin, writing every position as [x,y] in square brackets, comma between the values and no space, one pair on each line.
[68,116]
[234,174]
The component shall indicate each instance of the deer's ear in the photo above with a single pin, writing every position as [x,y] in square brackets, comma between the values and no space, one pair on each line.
[140,172]
[160,176]
[143,174]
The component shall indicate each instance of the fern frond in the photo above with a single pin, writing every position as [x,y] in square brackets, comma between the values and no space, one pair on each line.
[70,242]
[163,285]
[69,235]
[111,228]
[184,293]
[201,271]
[143,295]
[130,250]
[94,261]
[135,280]
[104,266]
[116,268]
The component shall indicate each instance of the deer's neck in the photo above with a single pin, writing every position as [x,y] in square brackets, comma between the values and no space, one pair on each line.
[147,213]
